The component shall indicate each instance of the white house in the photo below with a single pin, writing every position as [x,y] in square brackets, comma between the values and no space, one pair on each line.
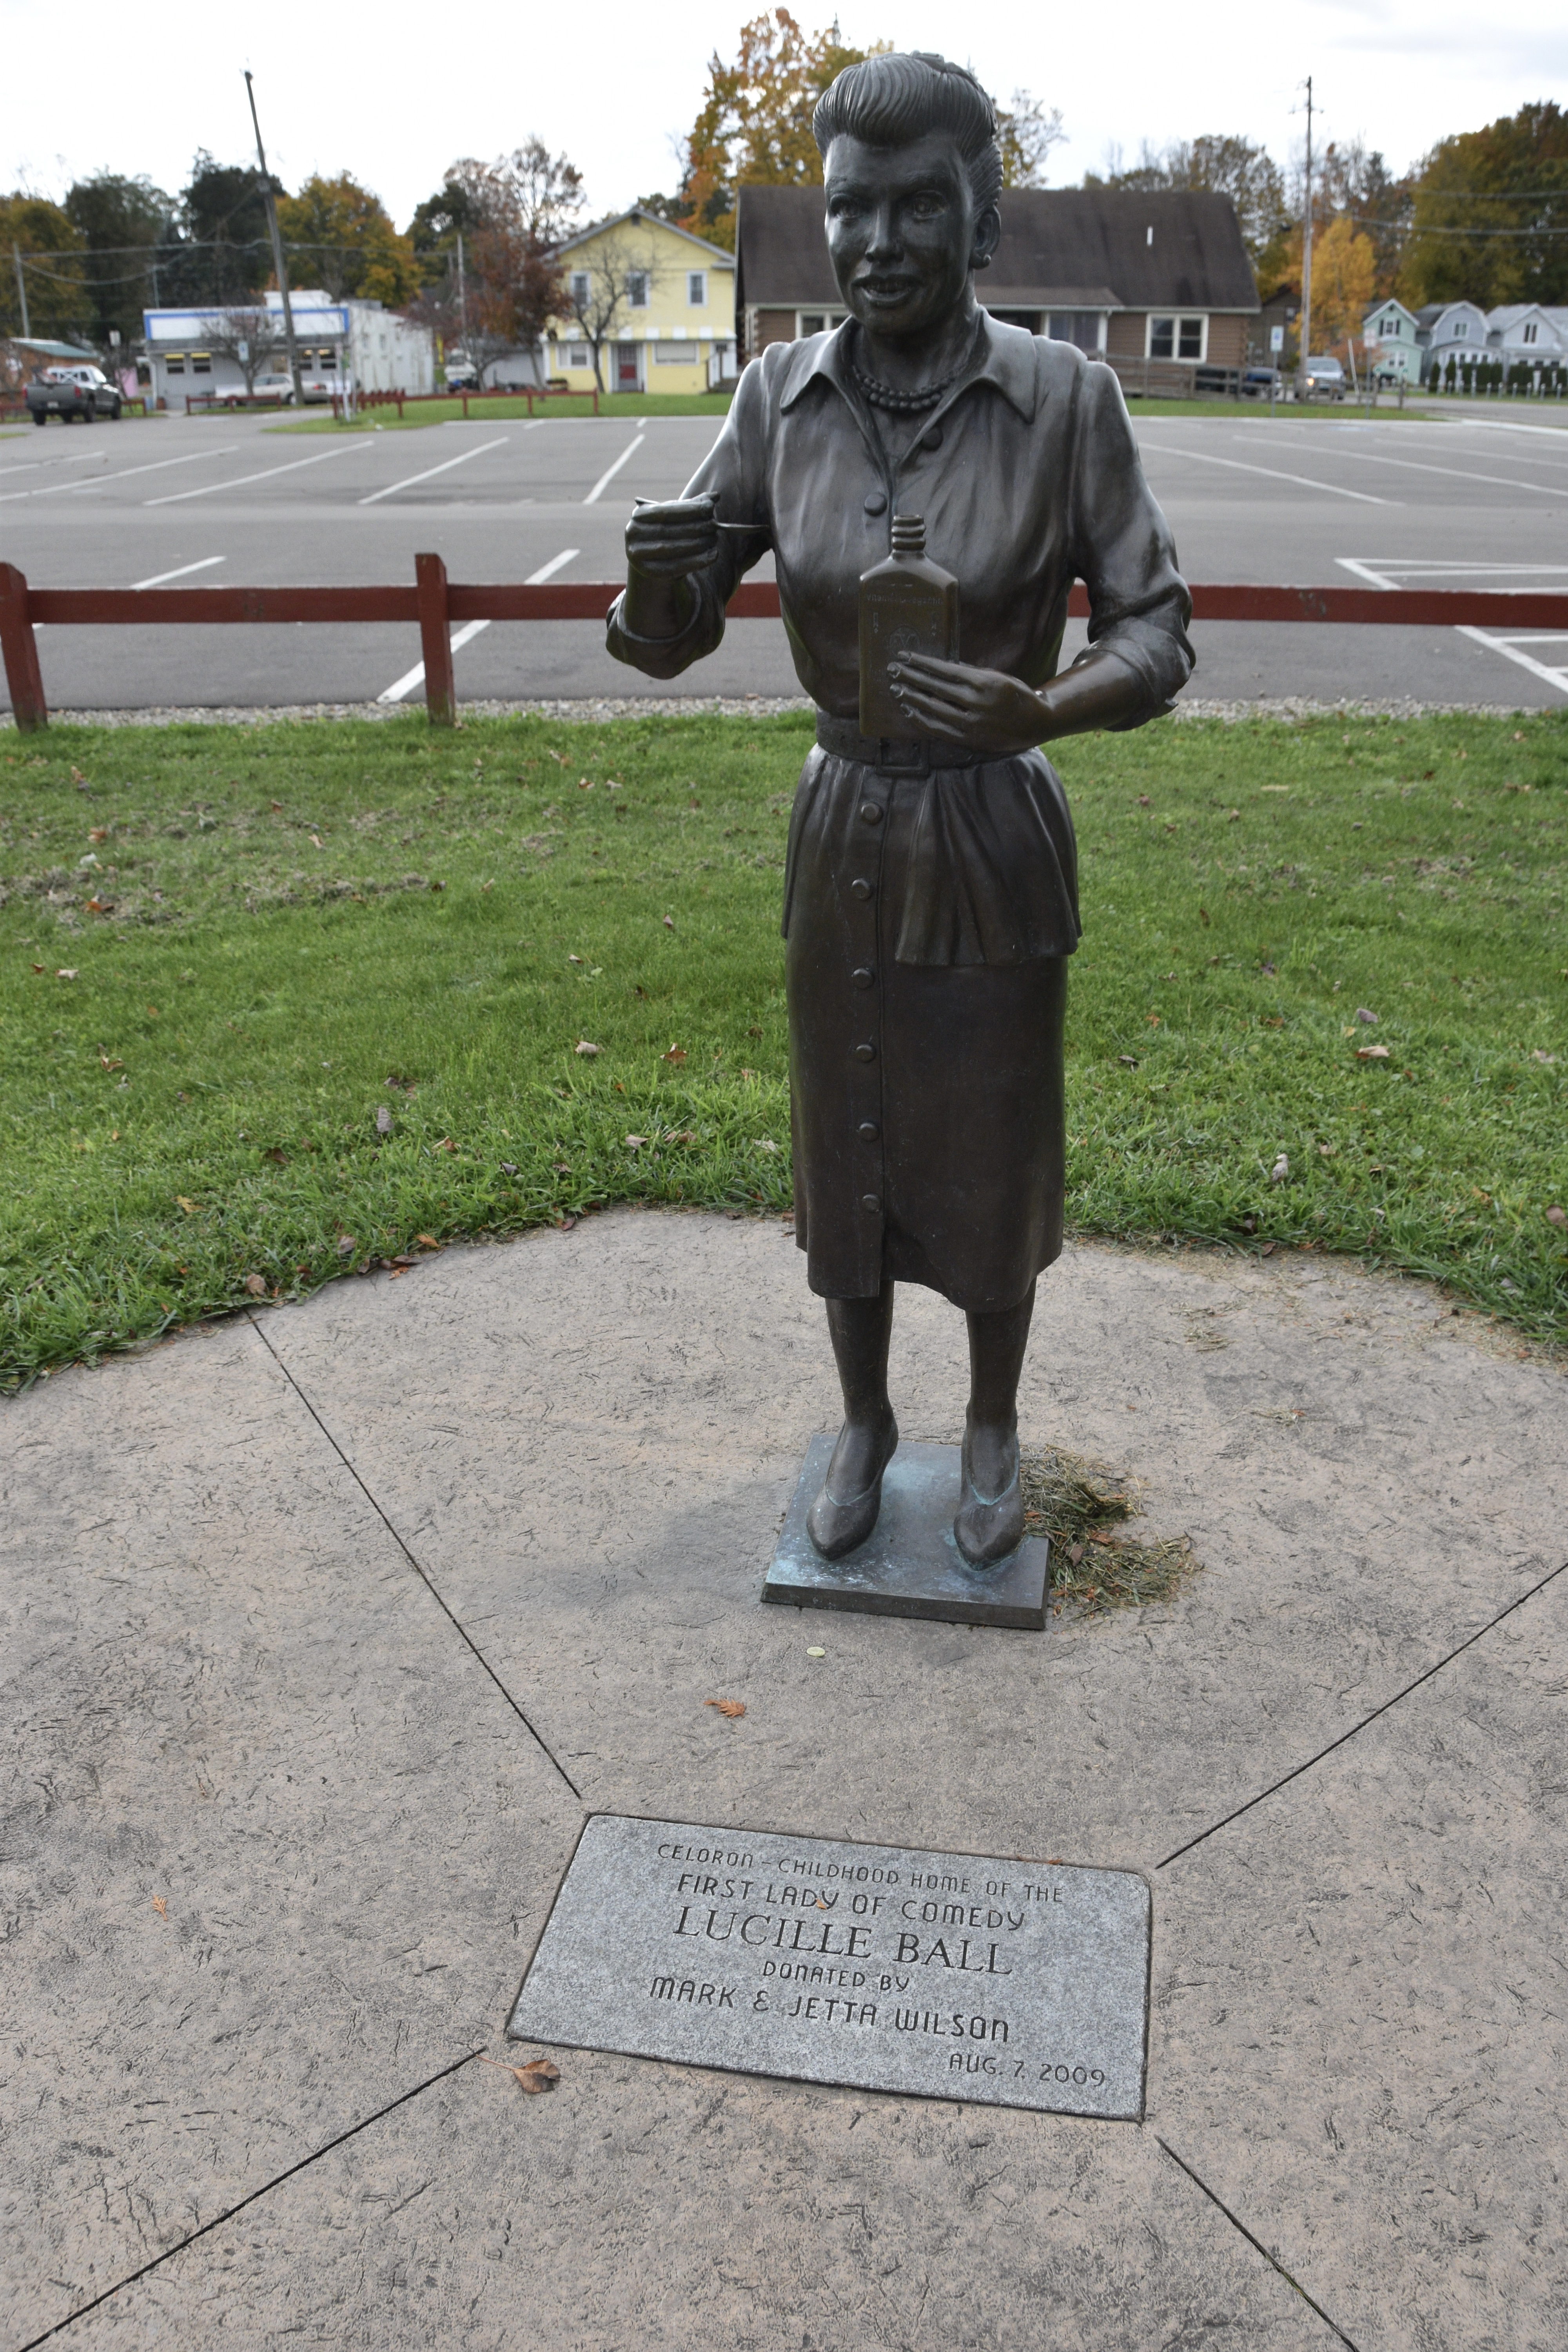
[1392,335]
[374,346]
[1523,334]
[1455,330]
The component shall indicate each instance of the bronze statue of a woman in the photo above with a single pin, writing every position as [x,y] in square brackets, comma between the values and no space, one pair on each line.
[930,897]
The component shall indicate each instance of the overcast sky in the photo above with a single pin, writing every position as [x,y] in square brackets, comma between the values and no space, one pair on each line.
[393,93]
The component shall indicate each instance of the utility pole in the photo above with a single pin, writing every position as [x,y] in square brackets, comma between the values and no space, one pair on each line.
[462,299]
[21,292]
[271,202]
[1305,352]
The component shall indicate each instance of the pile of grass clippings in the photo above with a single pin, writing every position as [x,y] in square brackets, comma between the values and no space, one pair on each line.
[1080,1505]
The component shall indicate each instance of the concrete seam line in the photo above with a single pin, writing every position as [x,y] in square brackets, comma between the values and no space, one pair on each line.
[1286,1777]
[429,1582]
[1271,2260]
[265,2190]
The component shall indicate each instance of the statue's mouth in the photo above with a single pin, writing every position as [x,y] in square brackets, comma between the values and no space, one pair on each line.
[887,290]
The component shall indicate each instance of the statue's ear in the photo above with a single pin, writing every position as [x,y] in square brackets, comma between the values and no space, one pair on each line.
[987,236]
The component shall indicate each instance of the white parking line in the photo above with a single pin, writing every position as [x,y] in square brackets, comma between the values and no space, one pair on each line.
[159,577]
[1362,498]
[1398,572]
[54,489]
[462,460]
[348,449]
[1458,473]
[402,687]
[606,478]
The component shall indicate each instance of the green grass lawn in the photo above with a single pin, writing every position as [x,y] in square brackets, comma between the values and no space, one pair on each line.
[442,412]
[325,1009]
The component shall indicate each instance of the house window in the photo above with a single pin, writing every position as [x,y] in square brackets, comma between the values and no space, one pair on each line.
[1177,339]
[1531,330]
[578,355]
[816,322]
[175,363]
[696,290]
[580,289]
[200,362]
[636,290]
[675,355]
[329,359]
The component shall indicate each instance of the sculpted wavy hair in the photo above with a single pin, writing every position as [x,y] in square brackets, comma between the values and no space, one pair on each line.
[891,100]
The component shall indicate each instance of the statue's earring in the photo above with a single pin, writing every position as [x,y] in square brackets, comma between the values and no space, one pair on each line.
[980,261]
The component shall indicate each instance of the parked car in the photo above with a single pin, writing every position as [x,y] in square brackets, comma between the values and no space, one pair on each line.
[277,384]
[461,374]
[67,392]
[1325,379]
[1260,383]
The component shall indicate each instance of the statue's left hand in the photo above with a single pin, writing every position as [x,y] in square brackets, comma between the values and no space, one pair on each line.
[983,710]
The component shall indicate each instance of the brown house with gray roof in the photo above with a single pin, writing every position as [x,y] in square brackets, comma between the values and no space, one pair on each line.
[1159,285]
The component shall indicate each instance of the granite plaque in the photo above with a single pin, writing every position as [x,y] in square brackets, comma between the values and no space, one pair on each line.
[950,1976]
[910,1564]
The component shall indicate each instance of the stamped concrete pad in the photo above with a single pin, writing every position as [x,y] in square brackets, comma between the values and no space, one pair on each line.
[1361,2031]
[951,1975]
[641,2208]
[591,1441]
[274,1846]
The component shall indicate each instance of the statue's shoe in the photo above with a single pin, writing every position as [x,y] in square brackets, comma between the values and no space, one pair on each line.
[836,1528]
[988,1528]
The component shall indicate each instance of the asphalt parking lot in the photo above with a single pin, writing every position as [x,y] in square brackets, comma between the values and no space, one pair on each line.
[1461,500]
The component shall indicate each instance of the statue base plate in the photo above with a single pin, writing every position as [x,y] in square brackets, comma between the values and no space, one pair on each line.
[910,1564]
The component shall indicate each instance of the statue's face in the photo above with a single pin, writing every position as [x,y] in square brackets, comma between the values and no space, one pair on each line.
[902,231]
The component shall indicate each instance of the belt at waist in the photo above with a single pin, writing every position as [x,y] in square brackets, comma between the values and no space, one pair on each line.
[915,755]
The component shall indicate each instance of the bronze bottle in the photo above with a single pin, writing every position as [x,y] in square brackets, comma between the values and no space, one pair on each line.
[908,605]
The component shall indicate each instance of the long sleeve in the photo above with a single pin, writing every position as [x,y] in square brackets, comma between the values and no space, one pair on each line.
[734,471]
[1122,551]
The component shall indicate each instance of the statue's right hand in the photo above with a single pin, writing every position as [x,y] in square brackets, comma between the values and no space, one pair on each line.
[668,538]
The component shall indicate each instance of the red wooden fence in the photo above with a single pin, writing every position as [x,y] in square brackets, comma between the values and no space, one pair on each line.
[435,603]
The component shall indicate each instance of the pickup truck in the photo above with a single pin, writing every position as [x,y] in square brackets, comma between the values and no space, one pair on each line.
[67,392]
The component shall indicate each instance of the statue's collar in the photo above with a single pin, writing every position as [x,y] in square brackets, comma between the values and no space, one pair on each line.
[1004,356]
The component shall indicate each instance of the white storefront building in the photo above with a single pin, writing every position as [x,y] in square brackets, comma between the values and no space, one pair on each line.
[359,342]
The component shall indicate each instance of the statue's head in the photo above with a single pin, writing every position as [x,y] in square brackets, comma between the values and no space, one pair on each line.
[912,172]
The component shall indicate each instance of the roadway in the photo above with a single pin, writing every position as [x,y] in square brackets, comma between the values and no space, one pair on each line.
[1467,498]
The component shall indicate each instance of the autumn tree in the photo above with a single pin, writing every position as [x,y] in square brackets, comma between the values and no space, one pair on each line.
[1489,214]
[505,220]
[1344,281]
[1027,131]
[346,243]
[48,243]
[753,127]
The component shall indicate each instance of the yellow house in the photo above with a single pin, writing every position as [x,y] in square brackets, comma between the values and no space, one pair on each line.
[658,302]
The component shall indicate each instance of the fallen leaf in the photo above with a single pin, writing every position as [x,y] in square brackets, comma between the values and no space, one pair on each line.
[437,886]
[190,1207]
[68,972]
[559,757]
[1542,1056]
[99,907]
[1269,1249]
[40,967]
[383,1120]
[571,959]
[1372,1053]
[764,1143]
[1152,1019]
[636,1142]
[1204,918]
[679,1135]
[160,1904]
[1272,1021]
[1269,969]
[816,1653]
[316,839]
[585,783]
[110,1065]
[256,1284]
[669,922]
[347,1245]
[538,2075]
[277,804]
[98,832]
[428,1241]
[1075,1554]
[561,1167]
[1142,800]
[675,1054]
[732,1707]
[1280,1170]
[564,1224]
[508,1168]
[1555,1216]
[585,1049]
[1362,1014]
[278,1159]
[445,1144]
[1127,1061]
